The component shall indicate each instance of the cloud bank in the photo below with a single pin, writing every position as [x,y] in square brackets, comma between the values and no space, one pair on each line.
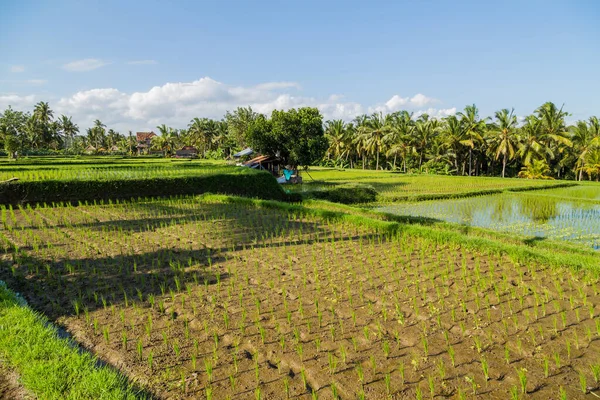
[175,104]
[87,64]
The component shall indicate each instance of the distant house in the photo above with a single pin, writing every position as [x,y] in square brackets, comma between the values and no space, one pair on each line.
[187,152]
[266,163]
[144,141]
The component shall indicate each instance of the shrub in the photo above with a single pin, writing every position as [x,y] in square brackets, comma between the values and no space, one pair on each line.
[347,194]
[244,182]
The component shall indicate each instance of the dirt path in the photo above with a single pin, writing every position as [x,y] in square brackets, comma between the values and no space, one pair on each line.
[10,388]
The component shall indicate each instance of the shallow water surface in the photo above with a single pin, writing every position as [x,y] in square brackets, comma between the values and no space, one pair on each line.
[571,214]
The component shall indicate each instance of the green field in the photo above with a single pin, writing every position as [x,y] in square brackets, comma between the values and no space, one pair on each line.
[220,296]
[401,187]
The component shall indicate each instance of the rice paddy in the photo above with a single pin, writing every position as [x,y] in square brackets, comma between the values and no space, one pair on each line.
[571,214]
[216,298]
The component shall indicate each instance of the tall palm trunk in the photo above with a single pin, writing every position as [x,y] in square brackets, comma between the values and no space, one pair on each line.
[470,161]
[503,164]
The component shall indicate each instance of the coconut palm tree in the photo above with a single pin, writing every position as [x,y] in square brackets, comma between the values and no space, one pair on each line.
[43,113]
[474,129]
[166,142]
[591,165]
[425,131]
[339,144]
[554,129]
[373,131]
[398,138]
[537,169]
[68,128]
[503,136]
[584,141]
[532,145]
[455,138]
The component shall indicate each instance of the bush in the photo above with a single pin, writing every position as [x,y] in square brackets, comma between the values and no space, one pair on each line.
[347,194]
[244,182]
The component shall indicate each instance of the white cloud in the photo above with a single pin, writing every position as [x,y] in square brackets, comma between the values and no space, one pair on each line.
[17,68]
[142,62]
[397,103]
[176,103]
[437,112]
[87,64]
[21,103]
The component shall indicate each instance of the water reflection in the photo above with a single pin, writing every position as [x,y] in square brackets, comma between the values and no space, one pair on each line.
[543,213]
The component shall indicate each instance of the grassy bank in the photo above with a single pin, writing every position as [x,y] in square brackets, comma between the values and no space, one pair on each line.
[72,184]
[48,366]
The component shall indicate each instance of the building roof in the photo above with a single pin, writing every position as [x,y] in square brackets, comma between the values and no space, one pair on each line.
[189,148]
[142,136]
[246,152]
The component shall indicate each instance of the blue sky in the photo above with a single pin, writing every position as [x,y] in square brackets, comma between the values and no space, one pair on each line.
[136,64]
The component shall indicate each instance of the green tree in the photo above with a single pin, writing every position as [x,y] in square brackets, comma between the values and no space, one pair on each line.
[12,127]
[503,136]
[339,141]
[296,136]
[426,130]
[474,129]
[584,140]
[68,128]
[238,123]
[373,130]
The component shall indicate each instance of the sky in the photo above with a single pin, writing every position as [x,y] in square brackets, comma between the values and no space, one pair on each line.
[138,64]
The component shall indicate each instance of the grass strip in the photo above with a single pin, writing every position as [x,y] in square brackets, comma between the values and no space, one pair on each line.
[51,367]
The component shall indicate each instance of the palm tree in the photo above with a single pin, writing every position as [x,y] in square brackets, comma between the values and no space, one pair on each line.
[425,131]
[585,138]
[201,132]
[503,136]
[337,134]
[555,133]
[98,134]
[591,166]
[373,131]
[474,128]
[166,142]
[455,138]
[538,169]
[43,113]
[398,137]
[67,127]
[34,132]
[532,144]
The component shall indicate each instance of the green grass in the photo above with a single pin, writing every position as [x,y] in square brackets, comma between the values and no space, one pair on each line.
[51,367]
[393,186]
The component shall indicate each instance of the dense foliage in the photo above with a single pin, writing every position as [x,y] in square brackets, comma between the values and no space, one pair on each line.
[541,145]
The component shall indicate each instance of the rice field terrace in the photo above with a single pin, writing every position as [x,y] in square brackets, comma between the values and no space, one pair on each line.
[108,168]
[221,297]
[571,214]
[401,187]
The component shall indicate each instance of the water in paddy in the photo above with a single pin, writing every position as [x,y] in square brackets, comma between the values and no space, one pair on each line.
[571,214]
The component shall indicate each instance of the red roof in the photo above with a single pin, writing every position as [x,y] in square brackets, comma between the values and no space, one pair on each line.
[142,136]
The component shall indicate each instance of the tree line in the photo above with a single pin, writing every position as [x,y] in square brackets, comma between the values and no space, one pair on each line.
[541,145]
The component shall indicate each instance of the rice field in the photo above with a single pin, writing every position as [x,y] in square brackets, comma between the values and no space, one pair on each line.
[400,187]
[222,298]
[106,168]
[571,214]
